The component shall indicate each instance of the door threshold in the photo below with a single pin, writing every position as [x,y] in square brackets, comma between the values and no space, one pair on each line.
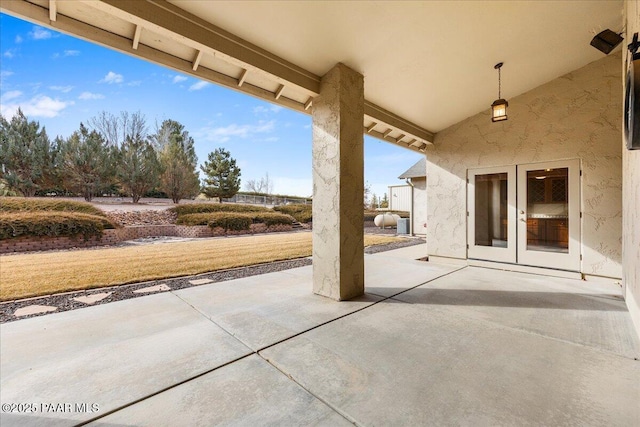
[526,269]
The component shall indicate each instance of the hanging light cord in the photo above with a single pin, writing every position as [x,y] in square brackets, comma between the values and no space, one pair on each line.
[499,84]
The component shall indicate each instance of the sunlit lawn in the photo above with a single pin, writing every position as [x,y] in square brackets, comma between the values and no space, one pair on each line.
[27,275]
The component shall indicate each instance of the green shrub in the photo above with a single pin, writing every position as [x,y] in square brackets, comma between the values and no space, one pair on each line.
[195,219]
[193,208]
[221,218]
[231,221]
[21,204]
[51,223]
[273,218]
[301,213]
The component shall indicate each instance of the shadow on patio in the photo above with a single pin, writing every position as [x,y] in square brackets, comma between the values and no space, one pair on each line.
[428,345]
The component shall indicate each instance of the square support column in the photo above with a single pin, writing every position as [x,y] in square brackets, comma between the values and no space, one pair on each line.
[338,185]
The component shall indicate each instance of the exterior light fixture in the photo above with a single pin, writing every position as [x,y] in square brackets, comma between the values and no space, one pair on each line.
[605,41]
[499,106]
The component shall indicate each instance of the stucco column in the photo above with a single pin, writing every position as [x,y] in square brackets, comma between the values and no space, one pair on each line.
[338,185]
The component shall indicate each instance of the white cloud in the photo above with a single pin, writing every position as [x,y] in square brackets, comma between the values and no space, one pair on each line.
[38,106]
[89,95]
[226,133]
[40,33]
[261,109]
[63,89]
[12,94]
[178,79]
[4,74]
[112,77]
[135,83]
[10,53]
[71,53]
[18,39]
[198,86]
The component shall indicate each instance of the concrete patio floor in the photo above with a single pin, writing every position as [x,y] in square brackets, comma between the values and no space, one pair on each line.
[427,345]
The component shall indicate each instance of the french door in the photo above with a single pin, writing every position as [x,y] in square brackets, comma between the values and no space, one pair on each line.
[526,214]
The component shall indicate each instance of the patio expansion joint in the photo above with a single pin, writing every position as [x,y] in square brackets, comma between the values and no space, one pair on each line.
[257,352]
[200,312]
[155,393]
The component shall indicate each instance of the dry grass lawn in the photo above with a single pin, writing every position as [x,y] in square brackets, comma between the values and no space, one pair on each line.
[28,275]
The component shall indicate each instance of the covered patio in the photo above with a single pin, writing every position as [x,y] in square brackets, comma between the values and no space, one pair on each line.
[426,345]
[442,342]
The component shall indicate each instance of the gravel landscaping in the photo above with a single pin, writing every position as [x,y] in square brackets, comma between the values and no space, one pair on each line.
[73,300]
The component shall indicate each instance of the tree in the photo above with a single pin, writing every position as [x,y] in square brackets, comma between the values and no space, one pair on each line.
[25,160]
[116,129]
[87,162]
[138,166]
[222,175]
[384,202]
[263,186]
[374,201]
[179,177]
[367,192]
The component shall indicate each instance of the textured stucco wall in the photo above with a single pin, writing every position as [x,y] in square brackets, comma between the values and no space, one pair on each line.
[419,205]
[631,196]
[577,115]
[338,185]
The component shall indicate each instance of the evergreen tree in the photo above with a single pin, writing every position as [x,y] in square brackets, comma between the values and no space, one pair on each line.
[137,167]
[222,175]
[374,201]
[87,162]
[179,177]
[25,158]
[384,202]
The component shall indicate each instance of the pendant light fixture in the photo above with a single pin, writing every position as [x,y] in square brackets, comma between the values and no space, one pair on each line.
[499,106]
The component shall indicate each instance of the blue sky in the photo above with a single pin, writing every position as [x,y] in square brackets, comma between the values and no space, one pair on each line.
[61,81]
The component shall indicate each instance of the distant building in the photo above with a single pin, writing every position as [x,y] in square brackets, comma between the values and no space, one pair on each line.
[412,196]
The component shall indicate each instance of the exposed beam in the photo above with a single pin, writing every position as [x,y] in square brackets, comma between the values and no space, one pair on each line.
[184,27]
[136,36]
[196,60]
[371,126]
[242,77]
[387,133]
[204,38]
[279,91]
[376,112]
[308,103]
[400,137]
[53,10]
[40,15]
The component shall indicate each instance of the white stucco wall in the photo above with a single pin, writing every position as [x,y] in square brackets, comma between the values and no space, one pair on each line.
[574,116]
[631,195]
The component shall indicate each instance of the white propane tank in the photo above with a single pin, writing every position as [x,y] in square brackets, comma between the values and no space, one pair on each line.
[386,220]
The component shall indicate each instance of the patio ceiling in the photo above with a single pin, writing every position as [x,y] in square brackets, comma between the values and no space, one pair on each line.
[427,65]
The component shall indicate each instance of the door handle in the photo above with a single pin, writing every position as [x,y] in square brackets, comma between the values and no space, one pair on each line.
[521,212]
[523,220]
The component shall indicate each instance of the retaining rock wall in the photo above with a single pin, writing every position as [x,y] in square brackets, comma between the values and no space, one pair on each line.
[112,237]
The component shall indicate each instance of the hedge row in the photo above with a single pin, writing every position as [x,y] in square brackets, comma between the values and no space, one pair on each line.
[51,223]
[301,213]
[22,204]
[234,220]
[194,208]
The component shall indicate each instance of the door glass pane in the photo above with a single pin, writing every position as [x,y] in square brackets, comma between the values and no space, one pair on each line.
[491,210]
[548,210]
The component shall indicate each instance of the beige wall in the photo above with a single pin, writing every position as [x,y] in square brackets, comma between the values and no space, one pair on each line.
[419,205]
[631,194]
[575,116]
